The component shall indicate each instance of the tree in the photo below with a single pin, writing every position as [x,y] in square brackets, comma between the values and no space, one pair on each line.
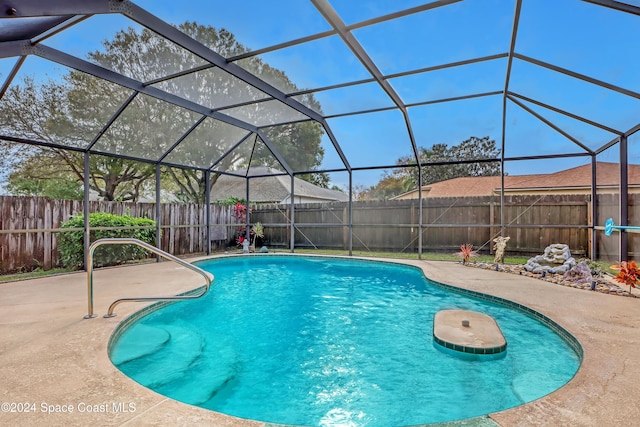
[390,185]
[298,143]
[473,148]
[403,179]
[44,180]
[73,111]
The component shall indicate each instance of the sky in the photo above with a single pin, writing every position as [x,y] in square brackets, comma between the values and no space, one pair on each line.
[594,41]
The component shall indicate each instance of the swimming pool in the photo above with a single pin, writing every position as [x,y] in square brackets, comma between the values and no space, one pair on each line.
[323,341]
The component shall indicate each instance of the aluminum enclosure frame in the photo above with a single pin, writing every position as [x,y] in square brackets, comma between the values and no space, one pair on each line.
[59,15]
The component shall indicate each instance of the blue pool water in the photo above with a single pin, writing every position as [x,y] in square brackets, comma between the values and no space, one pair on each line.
[321,341]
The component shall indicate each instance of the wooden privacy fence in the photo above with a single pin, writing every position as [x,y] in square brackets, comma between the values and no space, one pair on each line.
[532,221]
[30,226]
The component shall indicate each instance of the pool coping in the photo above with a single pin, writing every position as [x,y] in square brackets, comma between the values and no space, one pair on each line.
[48,354]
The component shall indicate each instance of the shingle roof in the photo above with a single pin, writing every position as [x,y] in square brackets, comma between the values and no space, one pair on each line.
[578,177]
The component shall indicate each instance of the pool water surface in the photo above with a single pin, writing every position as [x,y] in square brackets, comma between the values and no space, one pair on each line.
[319,341]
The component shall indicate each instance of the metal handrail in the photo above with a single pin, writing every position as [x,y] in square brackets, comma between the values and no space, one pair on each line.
[125,240]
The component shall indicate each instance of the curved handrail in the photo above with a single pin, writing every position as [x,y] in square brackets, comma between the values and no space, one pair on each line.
[126,240]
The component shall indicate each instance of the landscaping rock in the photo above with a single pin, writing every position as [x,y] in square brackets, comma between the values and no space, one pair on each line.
[604,283]
[581,273]
[556,259]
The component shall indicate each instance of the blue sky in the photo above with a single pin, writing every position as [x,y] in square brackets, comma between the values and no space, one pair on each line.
[595,41]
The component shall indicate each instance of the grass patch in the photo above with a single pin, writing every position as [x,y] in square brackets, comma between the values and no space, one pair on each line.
[5,278]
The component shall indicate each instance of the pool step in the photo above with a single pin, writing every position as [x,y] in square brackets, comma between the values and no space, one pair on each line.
[170,361]
[216,368]
[177,362]
[148,340]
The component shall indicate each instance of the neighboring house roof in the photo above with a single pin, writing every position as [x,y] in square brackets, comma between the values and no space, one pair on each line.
[273,189]
[608,175]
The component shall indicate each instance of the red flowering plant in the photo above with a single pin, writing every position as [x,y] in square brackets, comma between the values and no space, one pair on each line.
[629,273]
[240,214]
[466,252]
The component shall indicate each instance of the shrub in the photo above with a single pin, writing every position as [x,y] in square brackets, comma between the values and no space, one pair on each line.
[71,243]
[629,273]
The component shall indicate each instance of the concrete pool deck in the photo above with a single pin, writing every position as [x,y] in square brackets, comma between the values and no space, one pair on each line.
[54,368]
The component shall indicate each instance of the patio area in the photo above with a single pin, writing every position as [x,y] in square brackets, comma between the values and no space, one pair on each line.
[54,363]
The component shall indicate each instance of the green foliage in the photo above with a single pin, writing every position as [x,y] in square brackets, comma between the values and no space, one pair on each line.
[59,188]
[471,149]
[595,267]
[230,201]
[71,244]
[258,230]
[403,179]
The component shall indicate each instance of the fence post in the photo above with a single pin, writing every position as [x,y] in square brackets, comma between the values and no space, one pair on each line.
[491,223]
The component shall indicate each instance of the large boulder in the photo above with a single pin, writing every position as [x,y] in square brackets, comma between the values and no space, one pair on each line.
[556,259]
[581,273]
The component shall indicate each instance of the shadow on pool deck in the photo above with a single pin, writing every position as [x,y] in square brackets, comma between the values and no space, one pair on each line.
[55,361]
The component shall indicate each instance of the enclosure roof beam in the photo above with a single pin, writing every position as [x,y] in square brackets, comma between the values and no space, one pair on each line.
[178,74]
[144,160]
[578,76]
[331,87]
[83,150]
[633,130]
[229,151]
[566,113]
[275,152]
[547,156]
[182,138]
[551,125]
[59,28]
[356,113]
[324,34]
[402,74]
[39,8]
[402,13]
[336,22]
[305,172]
[615,140]
[440,163]
[41,143]
[347,37]
[512,45]
[11,76]
[113,118]
[67,60]
[448,65]
[622,7]
[455,98]
[252,53]
[503,131]
[417,104]
[608,145]
[14,48]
